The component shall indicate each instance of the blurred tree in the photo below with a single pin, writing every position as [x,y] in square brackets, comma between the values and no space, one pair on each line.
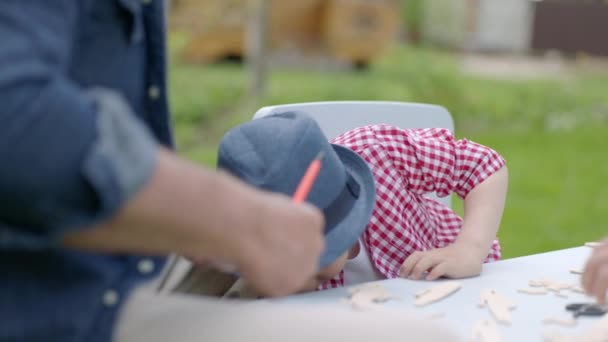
[413,12]
[256,47]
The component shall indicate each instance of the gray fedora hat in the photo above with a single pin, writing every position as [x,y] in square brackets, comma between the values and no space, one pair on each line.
[273,153]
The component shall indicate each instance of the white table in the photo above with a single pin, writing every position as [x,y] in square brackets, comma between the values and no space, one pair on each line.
[506,277]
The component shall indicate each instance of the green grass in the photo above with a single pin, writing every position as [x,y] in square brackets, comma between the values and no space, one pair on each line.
[550,131]
[557,188]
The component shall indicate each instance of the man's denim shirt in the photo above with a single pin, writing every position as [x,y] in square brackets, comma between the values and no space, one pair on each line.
[83,110]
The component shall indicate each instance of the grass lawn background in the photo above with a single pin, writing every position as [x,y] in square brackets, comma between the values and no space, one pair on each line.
[552,132]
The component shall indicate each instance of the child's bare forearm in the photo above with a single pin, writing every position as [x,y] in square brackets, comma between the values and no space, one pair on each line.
[483,209]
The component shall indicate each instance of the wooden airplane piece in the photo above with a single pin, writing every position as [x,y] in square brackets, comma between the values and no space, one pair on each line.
[558,287]
[436,293]
[592,244]
[485,331]
[564,322]
[577,289]
[597,333]
[539,282]
[499,306]
[555,287]
[367,295]
[533,291]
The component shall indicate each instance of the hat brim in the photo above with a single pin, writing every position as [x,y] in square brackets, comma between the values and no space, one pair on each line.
[347,232]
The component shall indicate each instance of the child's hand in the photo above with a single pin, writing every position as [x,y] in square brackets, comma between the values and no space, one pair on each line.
[454,261]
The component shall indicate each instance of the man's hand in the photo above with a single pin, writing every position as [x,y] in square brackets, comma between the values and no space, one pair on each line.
[280,251]
[215,218]
[454,261]
[595,274]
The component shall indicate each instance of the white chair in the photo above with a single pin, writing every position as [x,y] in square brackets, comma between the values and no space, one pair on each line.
[337,117]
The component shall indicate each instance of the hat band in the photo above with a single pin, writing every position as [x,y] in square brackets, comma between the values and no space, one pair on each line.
[341,206]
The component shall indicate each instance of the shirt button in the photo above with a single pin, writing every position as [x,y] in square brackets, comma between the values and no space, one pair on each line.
[110,298]
[153,92]
[145,266]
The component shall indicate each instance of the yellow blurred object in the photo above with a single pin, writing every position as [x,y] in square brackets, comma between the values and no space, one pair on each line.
[358,30]
[353,31]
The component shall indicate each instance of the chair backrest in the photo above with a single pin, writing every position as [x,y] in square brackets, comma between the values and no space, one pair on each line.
[337,117]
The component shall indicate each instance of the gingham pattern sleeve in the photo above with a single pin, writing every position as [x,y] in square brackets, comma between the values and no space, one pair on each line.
[428,160]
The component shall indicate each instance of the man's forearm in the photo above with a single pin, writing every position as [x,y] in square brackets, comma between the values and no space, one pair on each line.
[273,242]
[183,208]
[483,209]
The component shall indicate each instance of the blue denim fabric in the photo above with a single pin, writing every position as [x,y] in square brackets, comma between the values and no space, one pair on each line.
[83,108]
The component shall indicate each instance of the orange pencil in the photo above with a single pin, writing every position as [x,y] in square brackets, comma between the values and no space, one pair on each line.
[308,180]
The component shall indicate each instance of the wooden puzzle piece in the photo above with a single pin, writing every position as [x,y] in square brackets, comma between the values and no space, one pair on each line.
[539,282]
[550,284]
[436,293]
[377,289]
[485,331]
[557,287]
[553,286]
[577,289]
[499,306]
[564,322]
[533,291]
[597,333]
[368,295]
[592,244]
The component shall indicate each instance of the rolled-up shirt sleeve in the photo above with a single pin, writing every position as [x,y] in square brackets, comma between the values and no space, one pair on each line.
[69,157]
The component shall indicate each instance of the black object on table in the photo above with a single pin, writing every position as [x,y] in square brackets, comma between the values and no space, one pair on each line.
[587,309]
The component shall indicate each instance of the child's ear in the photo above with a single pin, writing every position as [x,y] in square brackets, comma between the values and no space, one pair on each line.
[354,251]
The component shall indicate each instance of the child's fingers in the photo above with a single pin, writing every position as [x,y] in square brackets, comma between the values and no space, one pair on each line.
[409,263]
[438,271]
[425,263]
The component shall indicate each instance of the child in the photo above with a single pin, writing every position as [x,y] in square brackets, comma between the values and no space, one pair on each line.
[373,188]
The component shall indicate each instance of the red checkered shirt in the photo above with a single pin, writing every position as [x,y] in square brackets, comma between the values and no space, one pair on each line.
[408,164]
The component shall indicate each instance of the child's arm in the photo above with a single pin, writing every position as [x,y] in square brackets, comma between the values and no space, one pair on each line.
[483,208]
